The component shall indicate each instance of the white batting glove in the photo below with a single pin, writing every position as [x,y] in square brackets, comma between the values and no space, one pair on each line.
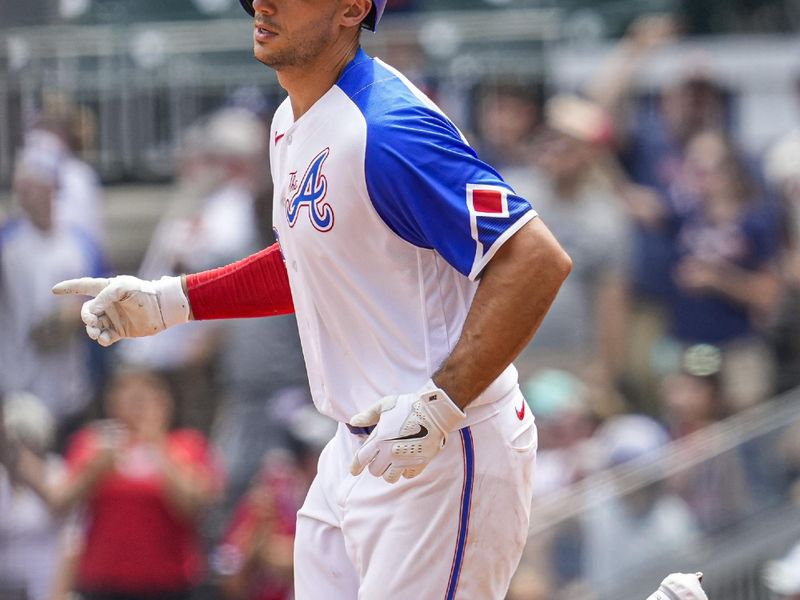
[680,586]
[410,429]
[128,307]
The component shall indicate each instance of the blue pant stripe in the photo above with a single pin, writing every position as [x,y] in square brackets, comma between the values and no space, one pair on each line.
[463,518]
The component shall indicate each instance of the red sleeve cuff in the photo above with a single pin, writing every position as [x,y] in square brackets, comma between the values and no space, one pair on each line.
[256,286]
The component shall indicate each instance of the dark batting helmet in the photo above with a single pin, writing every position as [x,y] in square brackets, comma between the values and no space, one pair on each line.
[371,22]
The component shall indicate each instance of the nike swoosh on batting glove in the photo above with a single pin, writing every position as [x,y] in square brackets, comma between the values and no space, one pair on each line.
[410,430]
[127,307]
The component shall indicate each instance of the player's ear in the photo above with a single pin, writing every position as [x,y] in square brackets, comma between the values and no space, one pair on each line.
[355,11]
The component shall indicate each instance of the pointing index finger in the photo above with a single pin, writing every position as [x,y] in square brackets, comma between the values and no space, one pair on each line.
[85,286]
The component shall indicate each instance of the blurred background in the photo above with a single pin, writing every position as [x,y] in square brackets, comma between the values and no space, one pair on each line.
[658,139]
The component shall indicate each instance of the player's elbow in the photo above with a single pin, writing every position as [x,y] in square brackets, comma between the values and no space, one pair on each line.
[549,256]
[562,263]
[553,269]
[532,257]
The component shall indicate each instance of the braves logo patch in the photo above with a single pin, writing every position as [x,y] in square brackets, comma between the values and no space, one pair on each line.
[311,193]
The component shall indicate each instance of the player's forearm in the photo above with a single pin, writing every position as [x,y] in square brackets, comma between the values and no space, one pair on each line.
[256,286]
[516,291]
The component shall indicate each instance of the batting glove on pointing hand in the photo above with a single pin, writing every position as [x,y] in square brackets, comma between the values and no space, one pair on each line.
[680,586]
[127,307]
[410,430]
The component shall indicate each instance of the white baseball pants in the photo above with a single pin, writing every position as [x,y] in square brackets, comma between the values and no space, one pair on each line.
[456,531]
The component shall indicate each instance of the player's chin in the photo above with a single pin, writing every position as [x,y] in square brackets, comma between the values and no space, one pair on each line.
[260,54]
[265,57]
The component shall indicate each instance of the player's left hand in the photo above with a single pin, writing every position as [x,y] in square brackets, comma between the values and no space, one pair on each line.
[410,429]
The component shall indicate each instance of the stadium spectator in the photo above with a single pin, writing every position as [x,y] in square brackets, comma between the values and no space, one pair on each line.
[68,130]
[643,525]
[30,536]
[255,557]
[506,116]
[652,138]
[42,350]
[584,332]
[211,221]
[716,490]
[565,455]
[564,422]
[725,272]
[263,381]
[143,488]
[782,169]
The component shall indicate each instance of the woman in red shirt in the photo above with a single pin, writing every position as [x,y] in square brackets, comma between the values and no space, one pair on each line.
[143,488]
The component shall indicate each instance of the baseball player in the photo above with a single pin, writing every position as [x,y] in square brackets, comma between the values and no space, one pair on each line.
[416,275]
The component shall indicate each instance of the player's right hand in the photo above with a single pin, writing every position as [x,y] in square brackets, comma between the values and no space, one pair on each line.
[680,586]
[410,430]
[127,307]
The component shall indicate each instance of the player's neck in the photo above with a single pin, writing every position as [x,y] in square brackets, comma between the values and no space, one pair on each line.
[308,84]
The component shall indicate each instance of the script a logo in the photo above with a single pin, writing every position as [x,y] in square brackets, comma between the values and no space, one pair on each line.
[311,193]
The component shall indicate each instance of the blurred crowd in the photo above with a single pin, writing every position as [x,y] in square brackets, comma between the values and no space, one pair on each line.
[172,467]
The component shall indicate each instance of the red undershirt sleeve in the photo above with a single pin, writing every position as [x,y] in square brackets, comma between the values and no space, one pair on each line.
[256,286]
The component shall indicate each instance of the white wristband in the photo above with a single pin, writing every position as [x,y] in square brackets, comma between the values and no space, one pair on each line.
[172,301]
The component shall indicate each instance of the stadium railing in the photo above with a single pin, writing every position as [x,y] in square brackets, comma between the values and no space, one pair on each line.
[733,480]
[147,82]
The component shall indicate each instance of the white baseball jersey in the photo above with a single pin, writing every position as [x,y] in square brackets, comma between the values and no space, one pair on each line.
[385,218]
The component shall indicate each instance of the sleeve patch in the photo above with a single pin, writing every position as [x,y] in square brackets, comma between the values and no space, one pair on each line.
[487,201]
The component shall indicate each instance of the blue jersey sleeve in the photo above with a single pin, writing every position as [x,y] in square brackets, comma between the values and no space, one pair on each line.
[431,189]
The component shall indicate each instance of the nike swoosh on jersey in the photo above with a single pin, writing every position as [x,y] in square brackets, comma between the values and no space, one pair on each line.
[423,432]
[279,137]
[521,411]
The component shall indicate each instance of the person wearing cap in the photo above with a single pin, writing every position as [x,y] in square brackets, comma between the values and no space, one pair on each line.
[68,130]
[211,221]
[417,275]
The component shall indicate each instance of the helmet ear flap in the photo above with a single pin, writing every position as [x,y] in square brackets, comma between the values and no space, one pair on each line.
[247,5]
[374,16]
[369,21]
